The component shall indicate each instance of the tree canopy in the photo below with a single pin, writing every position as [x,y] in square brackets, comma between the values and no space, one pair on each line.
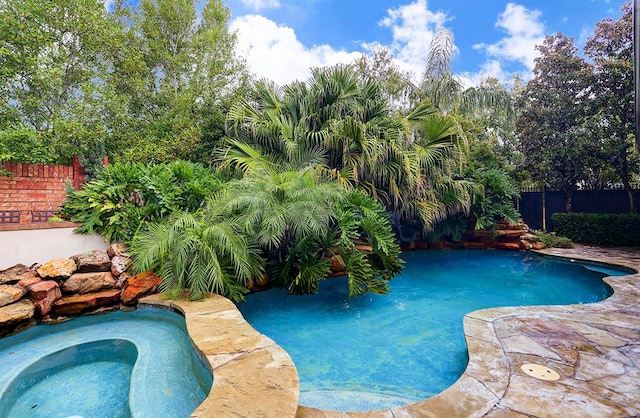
[576,123]
[148,82]
[613,123]
[305,178]
[552,107]
[51,56]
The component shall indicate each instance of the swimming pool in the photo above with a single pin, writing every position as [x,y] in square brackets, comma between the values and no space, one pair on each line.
[376,351]
[121,364]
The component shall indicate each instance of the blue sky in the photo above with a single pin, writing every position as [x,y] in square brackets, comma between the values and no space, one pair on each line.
[281,39]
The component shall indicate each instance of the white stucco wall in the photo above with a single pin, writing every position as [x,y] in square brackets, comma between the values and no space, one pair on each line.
[41,245]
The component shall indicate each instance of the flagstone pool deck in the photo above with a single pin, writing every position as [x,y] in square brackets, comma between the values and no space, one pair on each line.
[594,348]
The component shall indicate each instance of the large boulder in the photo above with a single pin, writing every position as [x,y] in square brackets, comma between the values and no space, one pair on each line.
[10,294]
[94,260]
[513,233]
[118,249]
[15,274]
[119,265]
[28,280]
[508,245]
[122,280]
[530,237]
[89,282]
[57,268]
[139,285]
[16,312]
[44,294]
[73,305]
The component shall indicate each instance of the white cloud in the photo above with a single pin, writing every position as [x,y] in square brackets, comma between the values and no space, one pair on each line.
[491,68]
[585,34]
[273,51]
[524,30]
[261,4]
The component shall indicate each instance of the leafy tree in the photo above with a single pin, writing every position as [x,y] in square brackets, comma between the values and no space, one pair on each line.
[124,197]
[23,144]
[494,126]
[556,148]
[51,54]
[613,124]
[495,203]
[173,76]
[395,84]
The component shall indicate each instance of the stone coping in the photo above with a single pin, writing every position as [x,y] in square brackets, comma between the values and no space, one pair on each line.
[38,225]
[252,376]
[594,348]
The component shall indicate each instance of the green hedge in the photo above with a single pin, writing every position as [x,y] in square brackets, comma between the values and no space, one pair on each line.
[599,228]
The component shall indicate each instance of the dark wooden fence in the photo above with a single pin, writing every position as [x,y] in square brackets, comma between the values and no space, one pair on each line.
[586,201]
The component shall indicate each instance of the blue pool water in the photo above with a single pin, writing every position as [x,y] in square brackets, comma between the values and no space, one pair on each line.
[122,364]
[381,351]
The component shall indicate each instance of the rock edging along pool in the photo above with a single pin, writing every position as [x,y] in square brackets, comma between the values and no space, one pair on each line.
[378,352]
[121,364]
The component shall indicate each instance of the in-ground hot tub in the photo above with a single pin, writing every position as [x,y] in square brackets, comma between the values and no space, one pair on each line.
[122,364]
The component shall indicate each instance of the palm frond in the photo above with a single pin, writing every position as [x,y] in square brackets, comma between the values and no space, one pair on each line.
[245,157]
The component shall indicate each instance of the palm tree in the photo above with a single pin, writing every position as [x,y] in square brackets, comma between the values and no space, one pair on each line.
[299,220]
[345,128]
[278,207]
[478,105]
[202,252]
[446,90]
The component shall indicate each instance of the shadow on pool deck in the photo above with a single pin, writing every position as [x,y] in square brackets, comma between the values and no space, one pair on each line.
[594,348]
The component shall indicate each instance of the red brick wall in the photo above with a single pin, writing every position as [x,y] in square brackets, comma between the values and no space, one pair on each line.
[35,187]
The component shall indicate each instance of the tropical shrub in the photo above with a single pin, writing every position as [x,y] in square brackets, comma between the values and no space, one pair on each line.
[551,240]
[285,223]
[23,144]
[362,222]
[124,197]
[496,201]
[452,229]
[299,220]
[202,252]
[599,228]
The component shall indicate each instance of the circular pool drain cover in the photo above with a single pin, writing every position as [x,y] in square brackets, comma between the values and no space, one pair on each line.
[539,371]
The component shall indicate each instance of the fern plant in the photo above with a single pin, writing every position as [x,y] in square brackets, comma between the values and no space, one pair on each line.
[124,197]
